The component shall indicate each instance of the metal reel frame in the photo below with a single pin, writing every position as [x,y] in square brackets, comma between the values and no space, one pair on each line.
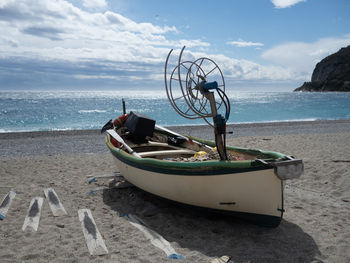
[187,112]
[187,83]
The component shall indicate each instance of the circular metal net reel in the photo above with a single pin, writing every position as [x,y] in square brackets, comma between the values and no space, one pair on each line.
[176,92]
[203,69]
[183,89]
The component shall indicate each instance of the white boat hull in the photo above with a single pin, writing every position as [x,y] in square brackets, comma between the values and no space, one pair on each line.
[255,193]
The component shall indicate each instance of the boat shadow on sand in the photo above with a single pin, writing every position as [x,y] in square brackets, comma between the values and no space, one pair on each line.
[214,234]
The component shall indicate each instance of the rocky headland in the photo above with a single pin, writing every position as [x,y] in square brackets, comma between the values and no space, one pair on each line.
[331,73]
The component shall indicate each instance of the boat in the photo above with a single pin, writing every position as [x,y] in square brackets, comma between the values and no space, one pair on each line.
[246,183]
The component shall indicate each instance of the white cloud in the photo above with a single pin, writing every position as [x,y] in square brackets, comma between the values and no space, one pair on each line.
[301,58]
[56,38]
[242,43]
[95,4]
[59,30]
[235,69]
[61,39]
[285,3]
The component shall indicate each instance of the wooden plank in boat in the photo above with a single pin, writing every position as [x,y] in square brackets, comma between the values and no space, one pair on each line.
[92,235]
[156,239]
[159,144]
[54,202]
[31,222]
[166,152]
[6,203]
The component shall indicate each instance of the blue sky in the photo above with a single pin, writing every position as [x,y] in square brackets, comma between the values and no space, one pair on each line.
[98,44]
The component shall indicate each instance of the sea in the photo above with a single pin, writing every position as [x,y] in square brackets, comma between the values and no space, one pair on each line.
[76,110]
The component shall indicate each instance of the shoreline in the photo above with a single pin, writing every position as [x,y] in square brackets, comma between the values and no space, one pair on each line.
[344,124]
[48,143]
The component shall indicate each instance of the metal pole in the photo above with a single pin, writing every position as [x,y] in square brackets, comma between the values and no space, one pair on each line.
[124,110]
[218,138]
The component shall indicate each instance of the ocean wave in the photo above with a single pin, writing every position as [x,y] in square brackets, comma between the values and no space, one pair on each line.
[92,111]
[116,94]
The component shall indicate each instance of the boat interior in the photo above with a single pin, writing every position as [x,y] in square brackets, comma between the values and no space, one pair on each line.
[140,134]
[174,148]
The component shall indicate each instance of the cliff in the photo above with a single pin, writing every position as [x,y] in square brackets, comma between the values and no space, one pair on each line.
[331,73]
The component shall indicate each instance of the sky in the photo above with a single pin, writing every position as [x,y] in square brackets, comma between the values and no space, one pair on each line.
[260,45]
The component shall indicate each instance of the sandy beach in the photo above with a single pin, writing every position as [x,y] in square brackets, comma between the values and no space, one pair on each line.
[315,228]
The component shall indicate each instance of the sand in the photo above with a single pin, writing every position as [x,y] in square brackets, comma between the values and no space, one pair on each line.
[315,228]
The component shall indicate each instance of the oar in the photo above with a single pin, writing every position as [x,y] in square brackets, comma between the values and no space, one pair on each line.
[120,139]
[177,134]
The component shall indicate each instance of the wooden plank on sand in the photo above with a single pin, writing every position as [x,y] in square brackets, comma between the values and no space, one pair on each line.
[116,174]
[54,202]
[156,239]
[121,184]
[92,236]
[223,259]
[31,222]
[6,203]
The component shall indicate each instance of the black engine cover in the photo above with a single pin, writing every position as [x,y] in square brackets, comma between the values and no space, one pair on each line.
[139,124]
